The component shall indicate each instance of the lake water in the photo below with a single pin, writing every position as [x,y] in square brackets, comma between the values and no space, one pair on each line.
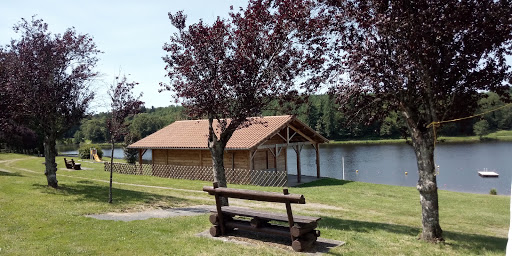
[387,164]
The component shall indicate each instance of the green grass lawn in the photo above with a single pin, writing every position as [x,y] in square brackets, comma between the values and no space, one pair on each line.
[372,219]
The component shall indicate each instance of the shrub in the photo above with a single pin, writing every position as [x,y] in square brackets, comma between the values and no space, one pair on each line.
[493,191]
[84,152]
[130,154]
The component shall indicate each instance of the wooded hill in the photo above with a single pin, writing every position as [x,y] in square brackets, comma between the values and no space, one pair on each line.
[320,113]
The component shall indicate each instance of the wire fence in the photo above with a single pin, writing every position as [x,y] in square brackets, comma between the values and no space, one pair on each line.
[266,178]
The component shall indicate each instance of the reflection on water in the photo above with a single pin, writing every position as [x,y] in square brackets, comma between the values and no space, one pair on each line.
[387,164]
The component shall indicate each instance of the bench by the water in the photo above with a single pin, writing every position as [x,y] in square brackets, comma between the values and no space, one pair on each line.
[300,229]
[72,165]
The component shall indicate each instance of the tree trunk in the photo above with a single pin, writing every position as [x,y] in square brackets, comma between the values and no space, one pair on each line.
[111,171]
[423,143]
[219,173]
[49,158]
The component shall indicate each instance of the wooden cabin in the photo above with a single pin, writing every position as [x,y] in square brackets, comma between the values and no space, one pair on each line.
[260,146]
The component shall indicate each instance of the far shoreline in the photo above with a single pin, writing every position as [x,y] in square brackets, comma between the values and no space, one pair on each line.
[499,136]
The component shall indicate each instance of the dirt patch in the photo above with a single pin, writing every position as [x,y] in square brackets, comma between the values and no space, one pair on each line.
[321,246]
[155,213]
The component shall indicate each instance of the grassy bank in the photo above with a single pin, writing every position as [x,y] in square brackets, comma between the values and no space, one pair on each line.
[371,219]
[495,136]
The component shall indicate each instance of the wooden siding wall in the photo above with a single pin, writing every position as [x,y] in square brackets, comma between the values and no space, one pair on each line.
[185,157]
[159,156]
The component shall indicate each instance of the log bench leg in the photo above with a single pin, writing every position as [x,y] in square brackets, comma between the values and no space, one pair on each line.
[305,241]
[215,230]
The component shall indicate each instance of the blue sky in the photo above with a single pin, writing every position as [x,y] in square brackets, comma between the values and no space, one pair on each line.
[130,33]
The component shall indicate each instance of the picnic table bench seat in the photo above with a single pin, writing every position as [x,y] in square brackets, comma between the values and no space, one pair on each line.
[301,229]
[264,215]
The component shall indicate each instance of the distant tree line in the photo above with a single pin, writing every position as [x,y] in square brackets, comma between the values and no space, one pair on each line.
[150,120]
[320,112]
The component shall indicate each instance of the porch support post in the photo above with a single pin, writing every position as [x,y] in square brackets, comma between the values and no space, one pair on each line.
[317,151]
[298,148]
[266,158]
[233,160]
[285,160]
[275,158]
[140,156]
[251,162]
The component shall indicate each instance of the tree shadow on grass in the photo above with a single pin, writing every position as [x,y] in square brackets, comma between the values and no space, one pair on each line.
[2,173]
[367,227]
[89,192]
[476,244]
[472,243]
[324,182]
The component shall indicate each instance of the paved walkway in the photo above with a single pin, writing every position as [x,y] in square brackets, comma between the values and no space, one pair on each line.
[155,213]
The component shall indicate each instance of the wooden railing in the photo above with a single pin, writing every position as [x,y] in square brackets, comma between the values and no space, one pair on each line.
[267,178]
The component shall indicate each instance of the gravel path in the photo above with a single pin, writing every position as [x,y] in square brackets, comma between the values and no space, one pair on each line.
[156,213]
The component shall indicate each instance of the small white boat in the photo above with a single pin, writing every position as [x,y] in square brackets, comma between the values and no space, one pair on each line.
[488,174]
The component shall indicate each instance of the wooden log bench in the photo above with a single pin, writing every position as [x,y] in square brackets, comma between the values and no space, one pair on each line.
[72,165]
[301,229]
[75,165]
[68,164]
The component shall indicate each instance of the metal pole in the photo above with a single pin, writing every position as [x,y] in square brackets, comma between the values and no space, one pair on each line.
[343,164]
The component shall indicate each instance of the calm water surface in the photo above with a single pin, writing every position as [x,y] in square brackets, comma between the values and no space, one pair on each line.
[387,164]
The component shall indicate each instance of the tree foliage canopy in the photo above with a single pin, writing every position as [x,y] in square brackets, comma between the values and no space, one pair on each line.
[235,67]
[46,76]
[428,58]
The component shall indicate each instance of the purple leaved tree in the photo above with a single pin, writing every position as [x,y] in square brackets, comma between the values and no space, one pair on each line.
[426,60]
[123,104]
[233,68]
[47,80]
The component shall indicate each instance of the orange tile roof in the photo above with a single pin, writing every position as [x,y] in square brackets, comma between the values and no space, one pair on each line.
[193,134]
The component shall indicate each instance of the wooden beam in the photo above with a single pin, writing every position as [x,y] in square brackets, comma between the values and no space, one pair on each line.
[284,145]
[167,157]
[251,162]
[297,150]
[200,158]
[266,158]
[273,152]
[140,160]
[282,137]
[275,159]
[317,151]
[233,160]
[291,137]
[287,134]
[302,134]
[286,160]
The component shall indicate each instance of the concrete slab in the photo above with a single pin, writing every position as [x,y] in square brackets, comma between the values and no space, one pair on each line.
[156,213]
